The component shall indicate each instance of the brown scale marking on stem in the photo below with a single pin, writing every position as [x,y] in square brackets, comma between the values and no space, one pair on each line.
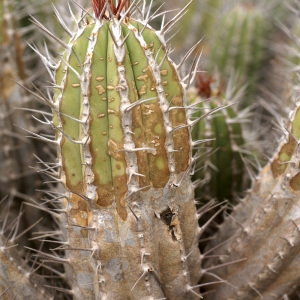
[120,189]
[115,150]
[143,77]
[100,78]
[110,87]
[181,138]
[115,190]
[143,90]
[278,166]
[148,80]
[158,161]
[152,116]
[100,89]
[80,211]
[105,194]
[295,182]
[164,72]
[139,140]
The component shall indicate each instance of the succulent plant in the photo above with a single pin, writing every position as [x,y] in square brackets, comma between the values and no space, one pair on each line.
[118,216]
[264,230]
[124,155]
[243,48]
[221,168]
[245,39]
[15,146]
[17,181]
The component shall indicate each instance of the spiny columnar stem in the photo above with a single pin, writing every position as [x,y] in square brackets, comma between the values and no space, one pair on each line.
[125,155]
[16,280]
[264,229]
[219,142]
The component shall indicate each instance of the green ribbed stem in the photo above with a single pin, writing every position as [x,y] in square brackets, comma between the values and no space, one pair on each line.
[125,151]
[221,168]
[264,229]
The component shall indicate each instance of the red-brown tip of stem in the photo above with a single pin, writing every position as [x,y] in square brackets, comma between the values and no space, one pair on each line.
[204,85]
[98,6]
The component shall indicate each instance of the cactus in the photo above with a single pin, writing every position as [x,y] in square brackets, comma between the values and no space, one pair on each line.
[244,44]
[16,153]
[221,170]
[20,269]
[267,222]
[118,217]
[124,154]
[11,97]
[17,279]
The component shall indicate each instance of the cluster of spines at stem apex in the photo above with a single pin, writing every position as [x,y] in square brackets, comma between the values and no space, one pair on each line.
[99,7]
[144,104]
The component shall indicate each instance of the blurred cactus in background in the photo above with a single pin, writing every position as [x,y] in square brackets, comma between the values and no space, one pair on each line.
[222,146]
[125,175]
